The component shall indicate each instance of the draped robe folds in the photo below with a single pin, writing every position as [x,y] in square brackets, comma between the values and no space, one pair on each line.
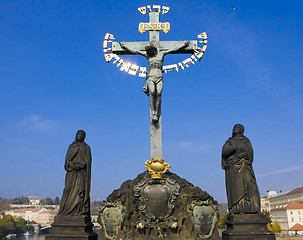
[76,194]
[241,186]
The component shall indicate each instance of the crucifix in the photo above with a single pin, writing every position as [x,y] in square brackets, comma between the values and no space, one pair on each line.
[154,50]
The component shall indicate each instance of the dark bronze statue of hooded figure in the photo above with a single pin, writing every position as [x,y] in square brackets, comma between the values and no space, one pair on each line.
[76,194]
[237,156]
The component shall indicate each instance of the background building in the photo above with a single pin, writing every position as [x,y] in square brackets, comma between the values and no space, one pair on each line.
[294,195]
[43,216]
[34,200]
[286,209]
[288,215]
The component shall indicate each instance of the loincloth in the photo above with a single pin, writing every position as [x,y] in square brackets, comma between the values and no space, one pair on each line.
[155,80]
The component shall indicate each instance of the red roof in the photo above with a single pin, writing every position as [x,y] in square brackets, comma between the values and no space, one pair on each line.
[296,227]
[20,210]
[294,205]
[288,206]
[23,210]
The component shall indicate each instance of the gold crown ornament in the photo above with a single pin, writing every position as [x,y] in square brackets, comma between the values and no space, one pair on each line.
[157,167]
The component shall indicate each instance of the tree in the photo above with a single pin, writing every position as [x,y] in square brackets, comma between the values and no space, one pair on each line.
[6,225]
[267,216]
[57,201]
[21,200]
[276,228]
[5,202]
[20,224]
[97,203]
[47,201]
[222,220]
[10,224]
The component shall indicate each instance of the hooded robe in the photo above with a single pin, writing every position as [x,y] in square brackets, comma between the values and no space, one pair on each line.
[242,191]
[76,194]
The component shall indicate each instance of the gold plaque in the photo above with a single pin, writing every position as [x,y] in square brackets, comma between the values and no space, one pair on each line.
[165,27]
[157,167]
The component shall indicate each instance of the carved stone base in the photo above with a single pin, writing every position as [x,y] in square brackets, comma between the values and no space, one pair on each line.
[170,208]
[248,227]
[72,227]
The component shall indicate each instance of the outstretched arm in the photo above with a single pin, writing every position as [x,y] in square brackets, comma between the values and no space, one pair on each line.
[185,44]
[123,45]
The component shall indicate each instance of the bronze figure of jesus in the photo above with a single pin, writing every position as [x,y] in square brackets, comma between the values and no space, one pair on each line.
[154,79]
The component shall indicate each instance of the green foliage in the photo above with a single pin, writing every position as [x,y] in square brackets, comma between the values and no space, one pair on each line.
[21,200]
[222,220]
[57,201]
[10,224]
[47,201]
[50,201]
[267,216]
[4,203]
[276,228]
[20,225]
[97,203]
[94,206]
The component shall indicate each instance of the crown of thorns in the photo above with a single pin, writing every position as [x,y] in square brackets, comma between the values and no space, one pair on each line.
[150,46]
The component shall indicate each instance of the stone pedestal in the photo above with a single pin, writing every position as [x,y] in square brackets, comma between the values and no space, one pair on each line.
[72,227]
[170,208]
[248,227]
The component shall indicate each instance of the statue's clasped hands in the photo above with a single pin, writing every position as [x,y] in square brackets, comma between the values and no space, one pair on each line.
[78,166]
[243,155]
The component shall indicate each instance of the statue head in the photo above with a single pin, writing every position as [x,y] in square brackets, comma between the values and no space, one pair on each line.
[238,130]
[80,136]
[151,49]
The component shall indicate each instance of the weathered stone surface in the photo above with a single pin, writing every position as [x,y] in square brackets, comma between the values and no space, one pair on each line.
[111,217]
[168,208]
[72,227]
[73,220]
[76,195]
[241,186]
[247,226]
[245,220]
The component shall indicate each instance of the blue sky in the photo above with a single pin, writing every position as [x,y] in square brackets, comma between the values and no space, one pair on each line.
[55,80]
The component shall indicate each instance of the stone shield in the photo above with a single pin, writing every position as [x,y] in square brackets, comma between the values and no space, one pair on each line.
[156,198]
[111,218]
[204,215]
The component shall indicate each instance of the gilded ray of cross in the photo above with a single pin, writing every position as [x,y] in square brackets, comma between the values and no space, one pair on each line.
[154,50]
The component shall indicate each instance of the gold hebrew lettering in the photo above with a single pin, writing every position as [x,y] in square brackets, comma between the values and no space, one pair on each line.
[125,67]
[117,59]
[107,50]
[202,35]
[142,72]
[142,10]
[157,7]
[133,69]
[165,9]
[181,65]
[108,56]
[172,66]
